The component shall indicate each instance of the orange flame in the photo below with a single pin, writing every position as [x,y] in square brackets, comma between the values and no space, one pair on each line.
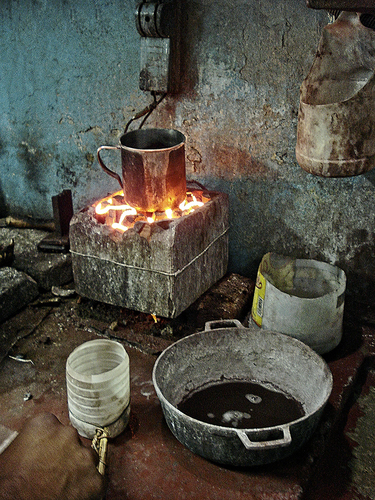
[184,206]
[122,217]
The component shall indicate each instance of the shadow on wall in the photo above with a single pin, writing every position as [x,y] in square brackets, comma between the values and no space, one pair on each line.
[191,20]
[301,220]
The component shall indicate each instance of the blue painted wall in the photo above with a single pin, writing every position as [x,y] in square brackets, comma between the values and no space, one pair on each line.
[69,83]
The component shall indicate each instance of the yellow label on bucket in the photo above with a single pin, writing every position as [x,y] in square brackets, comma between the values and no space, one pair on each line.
[258,300]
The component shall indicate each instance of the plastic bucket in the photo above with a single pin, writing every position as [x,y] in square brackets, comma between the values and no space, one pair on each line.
[98,387]
[302,298]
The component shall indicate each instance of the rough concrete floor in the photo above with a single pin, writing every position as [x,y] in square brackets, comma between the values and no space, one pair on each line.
[146,461]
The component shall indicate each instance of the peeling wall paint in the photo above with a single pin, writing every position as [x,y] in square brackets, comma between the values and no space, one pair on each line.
[69,83]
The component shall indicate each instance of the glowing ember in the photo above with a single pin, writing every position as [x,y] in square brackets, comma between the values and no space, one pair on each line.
[113,212]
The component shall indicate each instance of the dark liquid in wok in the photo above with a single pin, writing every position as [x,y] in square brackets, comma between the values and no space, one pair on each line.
[240,404]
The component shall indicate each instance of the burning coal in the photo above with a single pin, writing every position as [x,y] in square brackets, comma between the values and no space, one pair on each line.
[114,212]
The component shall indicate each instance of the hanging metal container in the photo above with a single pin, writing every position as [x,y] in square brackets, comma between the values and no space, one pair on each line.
[336,119]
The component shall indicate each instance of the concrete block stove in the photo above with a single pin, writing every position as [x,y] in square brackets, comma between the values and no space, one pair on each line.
[159,268]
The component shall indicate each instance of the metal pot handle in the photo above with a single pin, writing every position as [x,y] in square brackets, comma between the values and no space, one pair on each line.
[262,445]
[223,323]
[105,168]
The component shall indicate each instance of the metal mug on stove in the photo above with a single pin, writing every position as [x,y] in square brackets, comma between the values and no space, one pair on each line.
[153,168]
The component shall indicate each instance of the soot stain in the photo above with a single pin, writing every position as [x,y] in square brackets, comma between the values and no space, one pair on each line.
[35,160]
[357,237]
[2,146]
[67,174]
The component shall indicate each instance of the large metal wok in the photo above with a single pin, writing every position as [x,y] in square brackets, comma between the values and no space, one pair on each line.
[233,352]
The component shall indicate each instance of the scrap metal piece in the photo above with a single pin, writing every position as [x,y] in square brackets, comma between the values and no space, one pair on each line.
[21,359]
[62,292]
[62,205]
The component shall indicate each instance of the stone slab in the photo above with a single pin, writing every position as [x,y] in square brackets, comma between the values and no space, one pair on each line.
[17,290]
[47,269]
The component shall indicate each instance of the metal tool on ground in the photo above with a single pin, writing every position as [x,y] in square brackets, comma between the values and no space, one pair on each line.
[27,223]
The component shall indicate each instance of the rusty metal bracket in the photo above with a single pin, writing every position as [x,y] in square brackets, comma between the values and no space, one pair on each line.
[158,23]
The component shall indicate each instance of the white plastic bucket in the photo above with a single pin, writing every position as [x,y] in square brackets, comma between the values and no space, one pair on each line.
[302,298]
[98,387]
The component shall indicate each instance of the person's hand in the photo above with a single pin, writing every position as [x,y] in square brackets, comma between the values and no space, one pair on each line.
[47,461]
